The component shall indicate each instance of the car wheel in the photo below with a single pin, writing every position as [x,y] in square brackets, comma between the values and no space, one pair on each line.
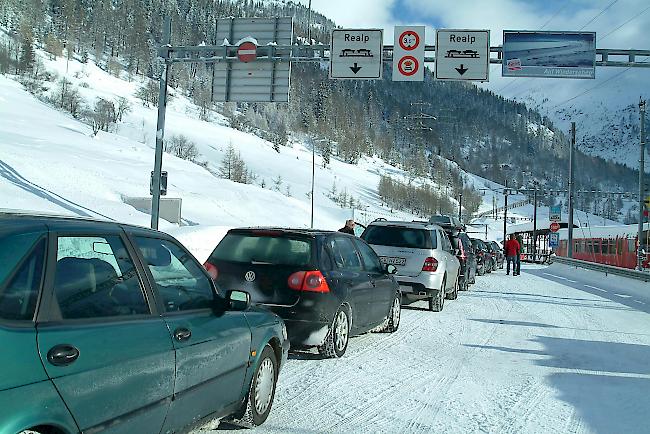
[453,295]
[465,285]
[338,335]
[391,323]
[436,304]
[261,393]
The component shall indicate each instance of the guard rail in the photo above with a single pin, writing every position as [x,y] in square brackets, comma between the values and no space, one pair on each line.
[607,269]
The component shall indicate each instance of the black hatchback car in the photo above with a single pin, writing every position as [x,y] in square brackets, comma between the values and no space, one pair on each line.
[326,285]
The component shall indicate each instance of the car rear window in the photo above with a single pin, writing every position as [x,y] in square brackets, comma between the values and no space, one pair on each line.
[395,236]
[440,220]
[263,249]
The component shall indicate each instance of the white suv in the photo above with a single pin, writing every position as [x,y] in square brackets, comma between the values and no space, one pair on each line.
[427,267]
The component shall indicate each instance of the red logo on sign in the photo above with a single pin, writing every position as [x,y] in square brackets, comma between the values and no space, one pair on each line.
[408,65]
[247,52]
[555,226]
[409,40]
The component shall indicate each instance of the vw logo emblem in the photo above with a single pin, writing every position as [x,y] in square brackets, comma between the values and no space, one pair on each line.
[249,276]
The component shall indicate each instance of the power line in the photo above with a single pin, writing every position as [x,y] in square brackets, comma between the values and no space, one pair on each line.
[599,14]
[554,15]
[626,22]
[599,84]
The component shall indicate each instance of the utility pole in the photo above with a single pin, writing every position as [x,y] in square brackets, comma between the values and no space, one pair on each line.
[460,207]
[535,224]
[641,174]
[160,127]
[313,147]
[571,186]
[505,211]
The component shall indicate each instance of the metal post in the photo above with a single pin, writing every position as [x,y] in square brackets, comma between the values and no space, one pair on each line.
[505,212]
[535,224]
[571,186]
[309,24]
[313,148]
[460,207]
[160,127]
[641,175]
[313,176]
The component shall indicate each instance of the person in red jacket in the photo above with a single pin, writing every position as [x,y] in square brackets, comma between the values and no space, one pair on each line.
[512,250]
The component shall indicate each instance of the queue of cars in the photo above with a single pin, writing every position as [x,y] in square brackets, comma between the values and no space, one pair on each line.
[116,328]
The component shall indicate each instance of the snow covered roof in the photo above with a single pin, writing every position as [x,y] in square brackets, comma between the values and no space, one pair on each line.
[604,231]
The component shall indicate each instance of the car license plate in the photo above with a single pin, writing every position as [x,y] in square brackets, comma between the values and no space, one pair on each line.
[391,260]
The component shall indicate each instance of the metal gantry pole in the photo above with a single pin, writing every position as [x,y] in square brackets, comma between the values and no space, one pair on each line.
[160,126]
[505,212]
[571,186]
[535,224]
[641,175]
[313,148]
[313,176]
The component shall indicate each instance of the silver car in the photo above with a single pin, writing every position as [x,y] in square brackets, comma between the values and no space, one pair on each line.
[427,267]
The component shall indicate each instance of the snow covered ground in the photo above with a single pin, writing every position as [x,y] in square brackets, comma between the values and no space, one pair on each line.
[513,355]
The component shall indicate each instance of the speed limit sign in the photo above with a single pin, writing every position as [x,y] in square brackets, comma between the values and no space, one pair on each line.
[408,53]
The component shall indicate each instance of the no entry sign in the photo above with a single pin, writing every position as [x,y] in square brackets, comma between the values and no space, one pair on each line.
[247,52]
[408,53]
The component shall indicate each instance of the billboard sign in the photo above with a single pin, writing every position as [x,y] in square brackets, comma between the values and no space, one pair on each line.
[549,54]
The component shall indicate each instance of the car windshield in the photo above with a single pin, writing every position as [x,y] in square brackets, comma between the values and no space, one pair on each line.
[263,249]
[396,236]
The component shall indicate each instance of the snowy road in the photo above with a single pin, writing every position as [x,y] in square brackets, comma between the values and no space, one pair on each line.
[527,354]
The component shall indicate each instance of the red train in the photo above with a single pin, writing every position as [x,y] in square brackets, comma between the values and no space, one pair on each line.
[619,251]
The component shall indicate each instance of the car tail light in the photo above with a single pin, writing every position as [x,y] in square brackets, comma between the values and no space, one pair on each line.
[212,270]
[430,264]
[462,253]
[311,281]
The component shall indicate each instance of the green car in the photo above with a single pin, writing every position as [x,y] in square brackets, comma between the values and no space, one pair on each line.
[118,329]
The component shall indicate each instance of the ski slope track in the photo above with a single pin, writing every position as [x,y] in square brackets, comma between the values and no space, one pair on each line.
[523,354]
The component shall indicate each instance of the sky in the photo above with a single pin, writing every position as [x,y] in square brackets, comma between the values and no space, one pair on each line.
[497,15]
[620,24]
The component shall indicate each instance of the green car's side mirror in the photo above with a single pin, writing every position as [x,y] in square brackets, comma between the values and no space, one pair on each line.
[239,300]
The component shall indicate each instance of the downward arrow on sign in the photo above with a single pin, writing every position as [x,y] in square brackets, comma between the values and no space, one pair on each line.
[356,68]
[462,70]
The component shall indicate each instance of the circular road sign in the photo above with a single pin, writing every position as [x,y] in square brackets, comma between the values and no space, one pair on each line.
[247,52]
[408,65]
[409,40]
[555,226]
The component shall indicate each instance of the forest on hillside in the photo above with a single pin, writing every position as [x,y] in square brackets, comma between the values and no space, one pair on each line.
[416,126]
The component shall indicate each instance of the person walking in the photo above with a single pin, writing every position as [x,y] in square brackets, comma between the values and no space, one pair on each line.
[348,228]
[512,250]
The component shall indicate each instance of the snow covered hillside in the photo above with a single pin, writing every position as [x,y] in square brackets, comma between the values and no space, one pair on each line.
[606,111]
[52,162]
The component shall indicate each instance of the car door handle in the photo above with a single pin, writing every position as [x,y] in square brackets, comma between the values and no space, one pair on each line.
[182,334]
[62,355]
